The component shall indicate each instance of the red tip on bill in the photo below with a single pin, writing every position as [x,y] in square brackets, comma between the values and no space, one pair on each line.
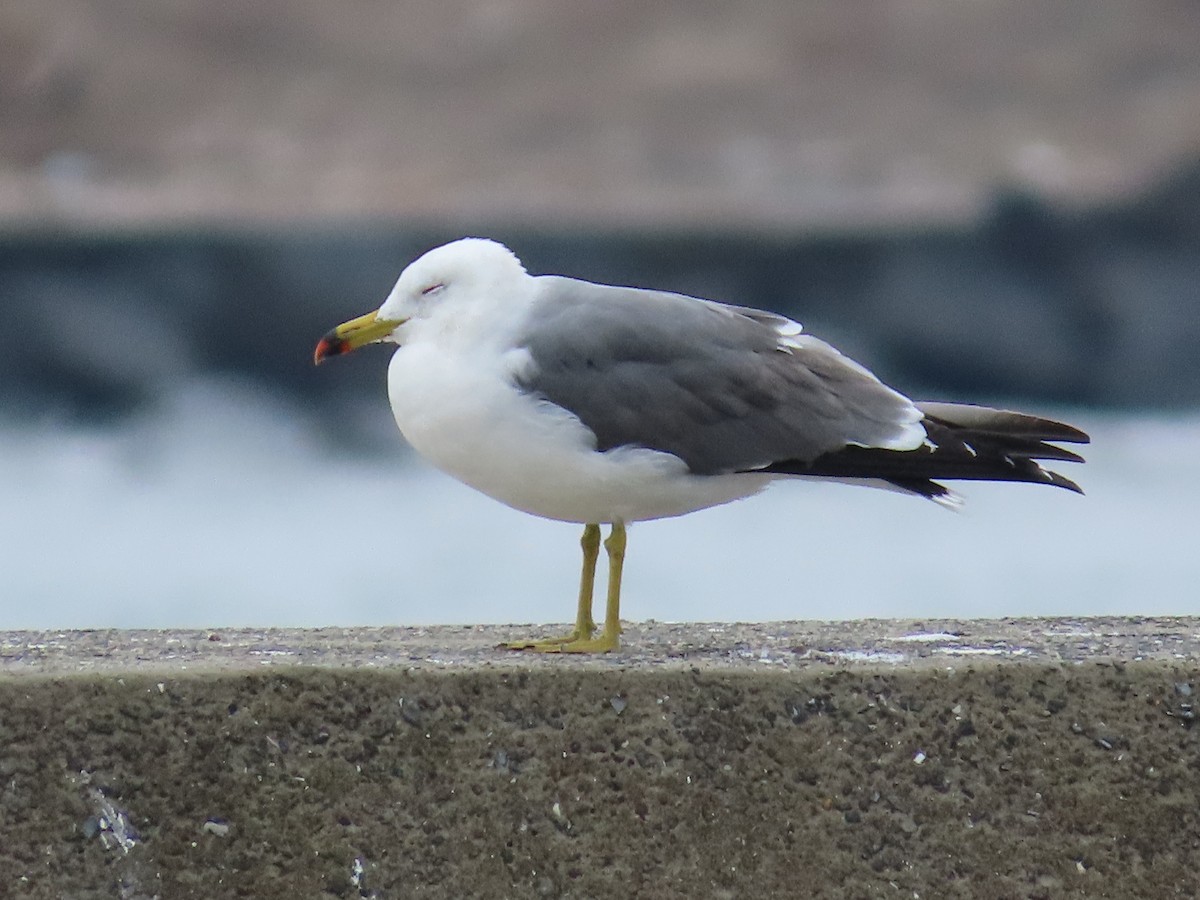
[329,345]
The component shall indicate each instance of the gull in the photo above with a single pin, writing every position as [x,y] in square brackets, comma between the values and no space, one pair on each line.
[596,404]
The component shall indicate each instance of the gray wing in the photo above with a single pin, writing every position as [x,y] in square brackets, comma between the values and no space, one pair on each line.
[724,388]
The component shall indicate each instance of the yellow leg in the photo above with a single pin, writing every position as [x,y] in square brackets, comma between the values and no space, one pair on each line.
[615,545]
[585,627]
[580,640]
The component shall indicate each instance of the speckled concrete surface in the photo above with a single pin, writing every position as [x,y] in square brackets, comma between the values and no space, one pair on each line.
[754,646]
[1031,758]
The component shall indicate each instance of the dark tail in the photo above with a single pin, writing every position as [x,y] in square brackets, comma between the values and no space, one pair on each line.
[964,442]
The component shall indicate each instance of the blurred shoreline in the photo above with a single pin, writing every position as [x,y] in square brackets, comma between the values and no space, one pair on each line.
[1032,303]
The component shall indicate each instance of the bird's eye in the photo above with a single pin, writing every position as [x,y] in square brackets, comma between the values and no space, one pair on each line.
[432,289]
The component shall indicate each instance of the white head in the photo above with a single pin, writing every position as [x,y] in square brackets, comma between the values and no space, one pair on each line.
[454,274]
[450,288]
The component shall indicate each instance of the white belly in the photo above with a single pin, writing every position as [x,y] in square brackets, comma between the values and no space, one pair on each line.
[472,423]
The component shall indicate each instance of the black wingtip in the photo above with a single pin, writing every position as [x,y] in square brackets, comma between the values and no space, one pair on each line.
[1059,481]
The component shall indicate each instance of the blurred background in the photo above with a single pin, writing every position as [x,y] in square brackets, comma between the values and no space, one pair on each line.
[996,202]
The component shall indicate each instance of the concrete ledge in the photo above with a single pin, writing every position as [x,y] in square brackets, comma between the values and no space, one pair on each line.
[1022,758]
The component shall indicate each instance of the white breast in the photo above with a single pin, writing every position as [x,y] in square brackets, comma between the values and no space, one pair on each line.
[466,416]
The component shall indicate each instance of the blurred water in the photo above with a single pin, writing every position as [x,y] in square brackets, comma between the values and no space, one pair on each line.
[223,509]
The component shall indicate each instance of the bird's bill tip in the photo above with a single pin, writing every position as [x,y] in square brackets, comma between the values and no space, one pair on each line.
[353,334]
[329,345]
